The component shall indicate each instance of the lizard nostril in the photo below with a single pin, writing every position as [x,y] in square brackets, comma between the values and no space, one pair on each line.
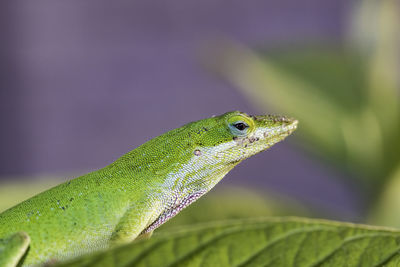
[197,152]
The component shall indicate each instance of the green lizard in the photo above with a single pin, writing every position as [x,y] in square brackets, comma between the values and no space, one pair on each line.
[135,194]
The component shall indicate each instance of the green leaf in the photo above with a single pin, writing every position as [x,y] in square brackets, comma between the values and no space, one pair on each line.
[375,35]
[383,78]
[265,242]
[387,209]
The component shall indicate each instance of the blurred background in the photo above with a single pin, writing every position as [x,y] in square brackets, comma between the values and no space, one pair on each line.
[83,82]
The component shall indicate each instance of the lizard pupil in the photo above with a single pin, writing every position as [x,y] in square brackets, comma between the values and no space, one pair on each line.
[240,126]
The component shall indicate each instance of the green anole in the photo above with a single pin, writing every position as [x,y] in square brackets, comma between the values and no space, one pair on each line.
[135,194]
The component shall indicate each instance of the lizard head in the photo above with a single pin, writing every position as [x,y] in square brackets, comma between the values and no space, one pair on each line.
[220,143]
[235,136]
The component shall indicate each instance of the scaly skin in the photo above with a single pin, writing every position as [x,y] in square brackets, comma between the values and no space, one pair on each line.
[138,192]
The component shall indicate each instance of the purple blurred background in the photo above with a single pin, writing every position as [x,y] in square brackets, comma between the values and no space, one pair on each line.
[83,82]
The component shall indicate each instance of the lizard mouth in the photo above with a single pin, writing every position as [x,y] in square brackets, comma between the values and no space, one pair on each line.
[288,126]
[284,127]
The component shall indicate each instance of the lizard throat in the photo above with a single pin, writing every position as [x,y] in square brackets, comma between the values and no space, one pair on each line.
[174,210]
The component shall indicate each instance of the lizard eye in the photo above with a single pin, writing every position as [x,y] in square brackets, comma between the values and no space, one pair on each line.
[240,126]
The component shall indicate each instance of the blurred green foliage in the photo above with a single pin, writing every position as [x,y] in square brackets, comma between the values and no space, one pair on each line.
[346,98]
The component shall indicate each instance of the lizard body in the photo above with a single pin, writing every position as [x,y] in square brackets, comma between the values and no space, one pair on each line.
[136,193]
